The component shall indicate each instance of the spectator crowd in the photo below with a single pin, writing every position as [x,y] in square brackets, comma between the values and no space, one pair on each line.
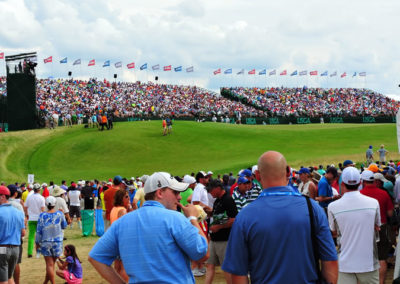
[316,102]
[78,100]
[172,229]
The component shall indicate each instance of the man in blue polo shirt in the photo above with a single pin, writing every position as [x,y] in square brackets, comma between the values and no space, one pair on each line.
[12,229]
[270,239]
[325,193]
[155,243]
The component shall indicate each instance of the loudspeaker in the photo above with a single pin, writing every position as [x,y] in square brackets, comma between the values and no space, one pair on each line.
[21,101]
[115,76]
[156,78]
[69,73]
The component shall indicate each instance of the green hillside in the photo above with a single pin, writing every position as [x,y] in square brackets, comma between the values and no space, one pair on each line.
[136,148]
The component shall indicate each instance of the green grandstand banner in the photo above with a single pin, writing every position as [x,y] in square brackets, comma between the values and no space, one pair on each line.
[274,120]
[336,120]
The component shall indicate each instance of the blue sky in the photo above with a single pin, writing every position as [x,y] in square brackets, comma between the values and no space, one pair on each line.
[343,36]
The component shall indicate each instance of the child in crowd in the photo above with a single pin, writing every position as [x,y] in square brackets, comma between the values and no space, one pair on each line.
[70,268]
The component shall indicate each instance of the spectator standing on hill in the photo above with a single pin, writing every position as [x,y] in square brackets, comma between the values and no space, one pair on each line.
[188,193]
[369,154]
[355,218]
[325,193]
[386,210]
[74,196]
[382,154]
[109,199]
[11,232]
[121,207]
[224,213]
[200,197]
[13,201]
[307,186]
[61,205]
[255,245]
[34,205]
[241,194]
[347,163]
[138,200]
[49,237]
[170,238]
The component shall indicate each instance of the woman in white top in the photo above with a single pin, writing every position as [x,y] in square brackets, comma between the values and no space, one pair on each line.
[307,187]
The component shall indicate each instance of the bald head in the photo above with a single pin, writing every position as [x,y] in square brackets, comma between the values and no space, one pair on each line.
[272,169]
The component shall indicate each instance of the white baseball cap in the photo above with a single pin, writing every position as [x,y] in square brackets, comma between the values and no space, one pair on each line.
[351,176]
[379,176]
[254,169]
[51,200]
[367,175]
[161,180]
[189,179]
[210,173]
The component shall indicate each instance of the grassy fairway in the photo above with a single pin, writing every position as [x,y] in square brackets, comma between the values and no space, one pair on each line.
[136,148]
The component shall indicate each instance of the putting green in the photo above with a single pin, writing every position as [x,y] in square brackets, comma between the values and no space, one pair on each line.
[136,148]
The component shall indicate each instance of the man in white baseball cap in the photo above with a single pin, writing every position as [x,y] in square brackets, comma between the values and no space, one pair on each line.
[155,234]
[355,217]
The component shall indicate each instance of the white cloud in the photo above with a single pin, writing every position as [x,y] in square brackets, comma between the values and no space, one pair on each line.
[342,36]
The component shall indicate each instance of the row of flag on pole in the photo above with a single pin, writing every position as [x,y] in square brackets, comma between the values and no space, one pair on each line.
[156,67]
[118,64]
[285,73]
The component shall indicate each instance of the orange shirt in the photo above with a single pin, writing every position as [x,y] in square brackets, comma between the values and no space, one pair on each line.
[164,123]
[114,213]
[109,199]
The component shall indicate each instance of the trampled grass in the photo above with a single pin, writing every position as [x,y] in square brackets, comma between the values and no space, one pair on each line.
[136,148]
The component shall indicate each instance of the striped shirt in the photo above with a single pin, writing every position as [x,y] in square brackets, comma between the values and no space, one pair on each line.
[242,200]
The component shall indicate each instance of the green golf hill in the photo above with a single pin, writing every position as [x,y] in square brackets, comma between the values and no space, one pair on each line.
[137,148]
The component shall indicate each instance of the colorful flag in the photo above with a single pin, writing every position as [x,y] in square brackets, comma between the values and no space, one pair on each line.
[343,75]
[294,73]
[77,62]
[131,65]
[228,71]
[48,59]
[144,66]
[106,63]
[325,73]
[283,73]
[273,72]
[178,69]
[1,55]
[333,74]
[302,73]
[118,64]
[156,67]
[217,71]
[92,62]
[313,73]
[167,68]
[64,60]
[263,72]
[190,69]
[240,72]
[355,74]
[363,74]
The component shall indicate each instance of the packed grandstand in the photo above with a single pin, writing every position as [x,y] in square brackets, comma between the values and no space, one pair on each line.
[82,98]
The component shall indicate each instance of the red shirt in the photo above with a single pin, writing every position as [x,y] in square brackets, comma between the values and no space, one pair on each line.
[385,203]
[109,199]
[45,192]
